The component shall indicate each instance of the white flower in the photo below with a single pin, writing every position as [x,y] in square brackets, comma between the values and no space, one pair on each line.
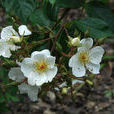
[8,37]
[86,58]
[9,34]
[40,68]
[17,75]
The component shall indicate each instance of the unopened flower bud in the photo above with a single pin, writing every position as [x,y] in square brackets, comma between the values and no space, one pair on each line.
[75,41]
[16,39]
[64,90]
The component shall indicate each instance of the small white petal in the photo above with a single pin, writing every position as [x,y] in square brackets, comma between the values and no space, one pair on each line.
[73,60]
[93,68]
[83,49]
[32,78]
[96,54]
[44,52]
[32,91]
[27,66]
[87,42]
[23,30]
[38,58]
[78,70]
[8,32]
[41,79]
[16,74]
[6,48]
[51,73]
[50,61]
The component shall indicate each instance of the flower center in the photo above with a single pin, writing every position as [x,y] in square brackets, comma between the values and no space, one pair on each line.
[40,66]
[84,57]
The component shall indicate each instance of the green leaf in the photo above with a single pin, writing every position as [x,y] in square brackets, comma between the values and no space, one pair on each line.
[40,17]
[97,28]
[24,9]
[51,11]
[20,8]
[102,11]
[8,5]
[70,3]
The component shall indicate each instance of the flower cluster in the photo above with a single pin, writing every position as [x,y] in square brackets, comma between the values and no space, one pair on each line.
[40,67]
[9,37]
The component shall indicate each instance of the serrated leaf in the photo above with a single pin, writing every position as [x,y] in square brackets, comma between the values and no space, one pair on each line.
[97,28]
[51,11]
[20,8]
[39,17]
[102,11]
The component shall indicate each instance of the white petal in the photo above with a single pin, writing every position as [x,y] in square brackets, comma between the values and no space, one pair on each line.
[16,74]
[32,91]
[8,32]
[93,68]
[44,52]
[4,49]
[23,88]
[32,78]
[83,49]
[78,70]
[73,60]
[96,54]
[50,61]
[27,66]
[41,79]
[38,58]
[23,30]
[50,74]
[87,42]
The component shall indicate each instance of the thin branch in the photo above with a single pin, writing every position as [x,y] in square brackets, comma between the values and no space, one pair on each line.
[54,44]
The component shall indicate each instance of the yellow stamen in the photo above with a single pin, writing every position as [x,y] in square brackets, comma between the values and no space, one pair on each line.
[40,66]
[84,57]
